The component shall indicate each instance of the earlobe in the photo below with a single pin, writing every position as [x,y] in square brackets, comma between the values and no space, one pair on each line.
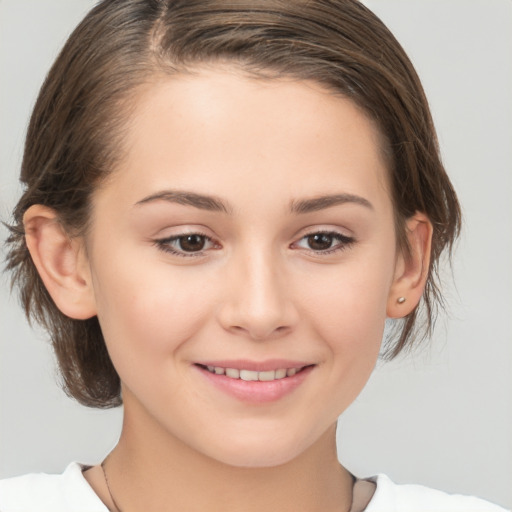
[411,270]
[60,262]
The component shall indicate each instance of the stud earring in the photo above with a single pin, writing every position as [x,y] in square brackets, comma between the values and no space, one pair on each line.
[401,300]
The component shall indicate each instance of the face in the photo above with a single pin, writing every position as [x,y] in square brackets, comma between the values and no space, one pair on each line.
[241,258]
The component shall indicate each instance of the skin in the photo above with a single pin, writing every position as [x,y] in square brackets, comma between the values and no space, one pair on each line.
[257,291]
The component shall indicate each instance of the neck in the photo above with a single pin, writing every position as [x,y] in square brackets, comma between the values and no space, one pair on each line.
[156,471]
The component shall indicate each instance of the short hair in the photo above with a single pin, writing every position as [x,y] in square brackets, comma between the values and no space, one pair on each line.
[76,131]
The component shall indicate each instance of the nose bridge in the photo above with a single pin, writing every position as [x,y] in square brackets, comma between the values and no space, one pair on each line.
[258,302]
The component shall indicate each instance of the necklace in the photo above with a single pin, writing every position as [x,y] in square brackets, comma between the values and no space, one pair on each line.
[354,506]
[118,509]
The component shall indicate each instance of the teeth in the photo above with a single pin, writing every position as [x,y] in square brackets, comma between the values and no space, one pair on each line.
[266,376]
[233,373]
[281,374]
[249,375]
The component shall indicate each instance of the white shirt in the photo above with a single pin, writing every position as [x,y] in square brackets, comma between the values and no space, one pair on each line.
[70,492]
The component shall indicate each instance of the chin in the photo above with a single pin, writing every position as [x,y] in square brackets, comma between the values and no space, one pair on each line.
[260,453]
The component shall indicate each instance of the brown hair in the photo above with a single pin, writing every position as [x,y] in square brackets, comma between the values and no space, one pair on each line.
[76,130]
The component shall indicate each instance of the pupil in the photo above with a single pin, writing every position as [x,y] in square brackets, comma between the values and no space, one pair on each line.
[320,241]
[192,243]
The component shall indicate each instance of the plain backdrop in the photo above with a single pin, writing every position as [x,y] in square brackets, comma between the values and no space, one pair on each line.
[441,417]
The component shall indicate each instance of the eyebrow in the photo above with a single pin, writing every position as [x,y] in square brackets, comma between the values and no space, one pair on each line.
[203,202]
[322,202]
[215,204]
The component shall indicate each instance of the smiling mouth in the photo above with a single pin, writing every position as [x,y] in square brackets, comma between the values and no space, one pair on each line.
[250,375]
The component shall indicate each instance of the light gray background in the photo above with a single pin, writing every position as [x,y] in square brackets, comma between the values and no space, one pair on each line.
[443,417]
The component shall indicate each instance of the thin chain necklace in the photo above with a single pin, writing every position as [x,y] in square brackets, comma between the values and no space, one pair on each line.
[118,508]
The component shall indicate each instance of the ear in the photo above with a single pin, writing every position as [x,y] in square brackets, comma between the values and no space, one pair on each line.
[61,262]
[411,270]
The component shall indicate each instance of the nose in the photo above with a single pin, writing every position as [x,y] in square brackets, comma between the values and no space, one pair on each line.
[258,301]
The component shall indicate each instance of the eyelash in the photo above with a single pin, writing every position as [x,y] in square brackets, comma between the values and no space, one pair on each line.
[344,241]
[164,244]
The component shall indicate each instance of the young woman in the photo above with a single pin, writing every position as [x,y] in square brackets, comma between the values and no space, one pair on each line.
[225,202]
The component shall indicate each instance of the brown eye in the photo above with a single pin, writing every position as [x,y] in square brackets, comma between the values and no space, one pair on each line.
[325,242]
[320,241]
[191,243]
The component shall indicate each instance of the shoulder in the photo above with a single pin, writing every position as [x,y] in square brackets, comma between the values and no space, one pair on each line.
[67,492]
[391,497]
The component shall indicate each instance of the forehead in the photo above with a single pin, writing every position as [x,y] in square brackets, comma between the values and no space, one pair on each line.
[213,126]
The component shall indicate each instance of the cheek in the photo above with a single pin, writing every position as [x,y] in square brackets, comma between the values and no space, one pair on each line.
[148,313]
[350,309]
[348,312]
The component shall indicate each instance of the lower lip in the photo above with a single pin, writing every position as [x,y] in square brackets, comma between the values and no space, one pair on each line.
[256,391]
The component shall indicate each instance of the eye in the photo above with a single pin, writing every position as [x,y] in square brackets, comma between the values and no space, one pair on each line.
[325,242]
[188,244]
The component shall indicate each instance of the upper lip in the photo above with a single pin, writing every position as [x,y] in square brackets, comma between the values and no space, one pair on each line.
[255,366]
